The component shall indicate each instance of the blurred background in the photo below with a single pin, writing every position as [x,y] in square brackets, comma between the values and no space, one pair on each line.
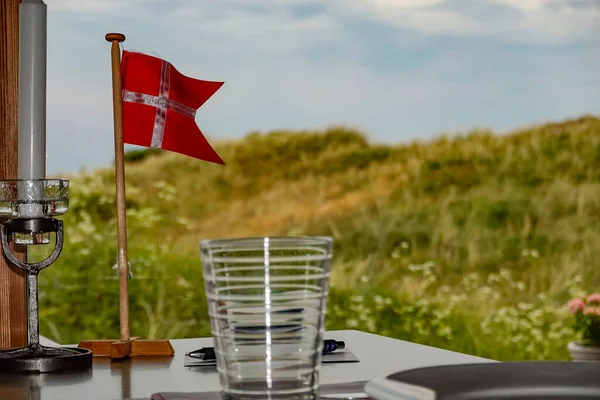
[451,148]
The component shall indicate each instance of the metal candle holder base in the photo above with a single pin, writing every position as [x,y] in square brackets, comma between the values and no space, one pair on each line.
[33,203]
[44,359]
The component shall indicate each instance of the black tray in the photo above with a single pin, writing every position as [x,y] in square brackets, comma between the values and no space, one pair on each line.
[548,380]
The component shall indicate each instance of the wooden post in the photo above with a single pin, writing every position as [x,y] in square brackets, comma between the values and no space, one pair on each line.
[13,311]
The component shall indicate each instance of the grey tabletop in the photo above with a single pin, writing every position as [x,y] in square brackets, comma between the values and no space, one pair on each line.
[140,377]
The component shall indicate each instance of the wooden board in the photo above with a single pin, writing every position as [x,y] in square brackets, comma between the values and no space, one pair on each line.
[13,311]
[126,348]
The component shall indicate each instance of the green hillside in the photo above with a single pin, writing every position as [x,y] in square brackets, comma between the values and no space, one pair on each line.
[472,243]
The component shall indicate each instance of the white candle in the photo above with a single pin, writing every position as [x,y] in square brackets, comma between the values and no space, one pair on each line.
[32,102]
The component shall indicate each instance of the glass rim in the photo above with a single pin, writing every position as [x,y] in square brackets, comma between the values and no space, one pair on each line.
[309,240]
[53,180]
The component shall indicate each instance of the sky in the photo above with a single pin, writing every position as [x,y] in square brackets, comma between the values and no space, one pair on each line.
[396,69]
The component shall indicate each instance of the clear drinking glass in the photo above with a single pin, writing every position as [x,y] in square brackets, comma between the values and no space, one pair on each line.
[266,300]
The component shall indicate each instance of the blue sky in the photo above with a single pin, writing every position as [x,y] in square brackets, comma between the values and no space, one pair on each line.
[397,69]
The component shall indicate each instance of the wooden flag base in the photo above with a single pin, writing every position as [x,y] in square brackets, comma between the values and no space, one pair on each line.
[118,349]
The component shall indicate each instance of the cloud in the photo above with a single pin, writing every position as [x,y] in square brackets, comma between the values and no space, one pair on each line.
[97,7]
[83,6]
[520,21]
[79,122]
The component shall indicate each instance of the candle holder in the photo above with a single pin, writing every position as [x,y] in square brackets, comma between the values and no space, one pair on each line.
[30,206]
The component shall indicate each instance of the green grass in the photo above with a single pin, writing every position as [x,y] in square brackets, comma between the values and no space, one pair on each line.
[472,243]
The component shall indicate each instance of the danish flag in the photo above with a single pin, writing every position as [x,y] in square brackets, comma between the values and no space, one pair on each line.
[160,104]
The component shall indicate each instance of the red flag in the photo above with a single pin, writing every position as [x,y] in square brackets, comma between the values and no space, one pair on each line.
[159,106]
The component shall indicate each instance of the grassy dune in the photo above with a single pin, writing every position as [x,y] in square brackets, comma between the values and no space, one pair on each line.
[472,243]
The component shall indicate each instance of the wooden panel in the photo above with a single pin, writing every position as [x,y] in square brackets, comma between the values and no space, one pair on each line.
[13,314]
[126,348]
[152,348]
[99,348]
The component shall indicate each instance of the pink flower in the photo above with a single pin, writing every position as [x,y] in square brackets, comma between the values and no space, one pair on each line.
[594,298]
[592,311]
[576,305]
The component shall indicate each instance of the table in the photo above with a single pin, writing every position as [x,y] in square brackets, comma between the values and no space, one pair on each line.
[140,377]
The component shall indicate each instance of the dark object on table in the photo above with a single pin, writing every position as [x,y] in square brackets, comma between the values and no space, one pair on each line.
[330,345]
[40,359]
[334,351]
[548,380]
[208,353]
[205,353]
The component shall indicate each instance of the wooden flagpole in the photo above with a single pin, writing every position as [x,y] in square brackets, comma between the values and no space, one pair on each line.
[122,262]
[127,345]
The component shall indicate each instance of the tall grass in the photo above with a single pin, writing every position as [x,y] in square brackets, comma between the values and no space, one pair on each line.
[472,243]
